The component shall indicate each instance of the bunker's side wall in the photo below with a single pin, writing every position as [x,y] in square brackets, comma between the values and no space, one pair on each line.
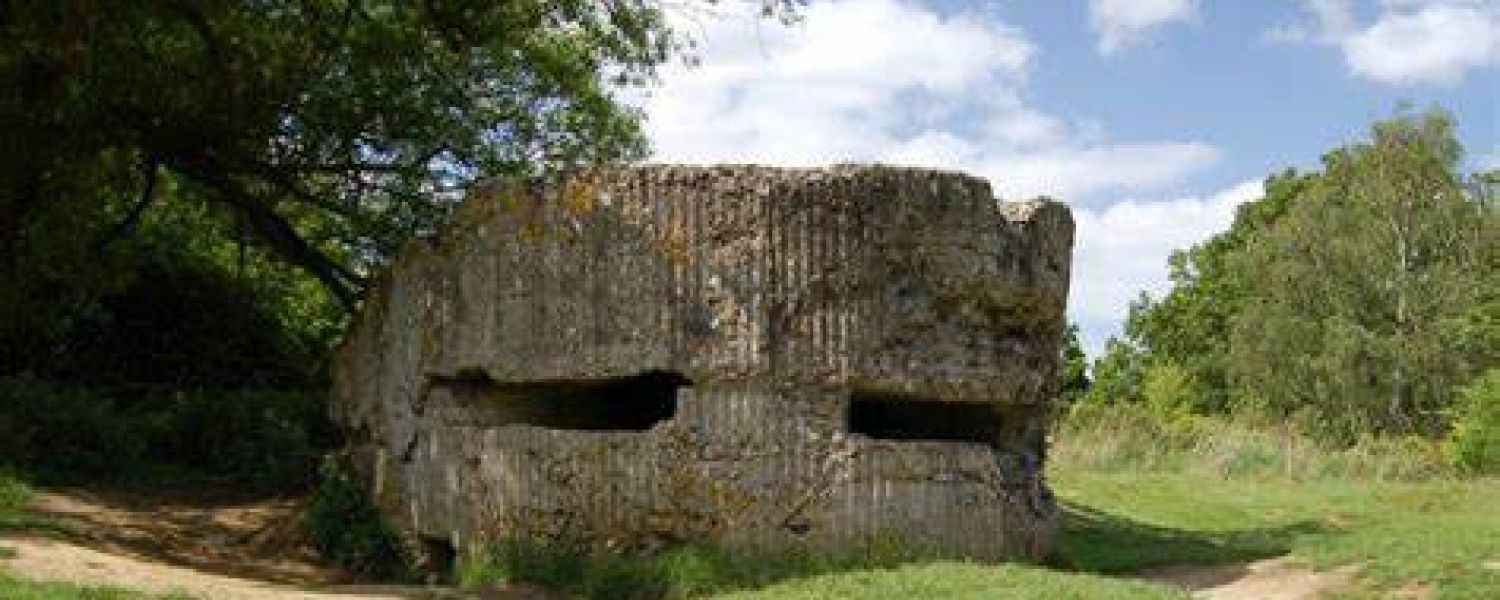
[782,300]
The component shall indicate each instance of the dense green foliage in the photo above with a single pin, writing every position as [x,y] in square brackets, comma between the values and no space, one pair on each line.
[1356,300]
[259,439]
[341,523]
[1476,425]
[1075,368]
[326,128]
[323,133]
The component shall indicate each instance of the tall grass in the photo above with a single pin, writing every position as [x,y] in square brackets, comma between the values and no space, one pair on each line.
[1123,437]
[680,571]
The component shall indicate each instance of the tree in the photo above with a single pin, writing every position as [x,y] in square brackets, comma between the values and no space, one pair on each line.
[1356,298]
[1189,326]
[327,131]
[1075,367]
[350,112]
[1118,374]
[1353,287]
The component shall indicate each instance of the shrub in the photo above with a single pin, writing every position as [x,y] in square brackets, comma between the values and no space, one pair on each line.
[342,524]
[1474,444]
[14,496]
[1170,390]
[261,438]
[57,433]
[267,439]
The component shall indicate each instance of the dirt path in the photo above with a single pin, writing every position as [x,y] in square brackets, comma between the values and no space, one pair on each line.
[1269,579]
[215,531]
[42,559]
[204,544]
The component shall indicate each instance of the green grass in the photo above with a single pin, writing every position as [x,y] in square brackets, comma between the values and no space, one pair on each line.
[958,581]
[682,571]
[701,572]
[1440,532]
[14,496]
[17,589]
[1143,491]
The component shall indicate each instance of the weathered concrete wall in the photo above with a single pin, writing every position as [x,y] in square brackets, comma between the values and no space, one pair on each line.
[780,294]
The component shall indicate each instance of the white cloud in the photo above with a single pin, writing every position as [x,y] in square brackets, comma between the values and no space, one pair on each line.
[1122,23]
[1409,42]
[1066,170]
[843,86]
[1489,161]
[1123,249]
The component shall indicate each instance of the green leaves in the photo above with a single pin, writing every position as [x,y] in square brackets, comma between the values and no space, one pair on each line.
[328,131]
[334,129]
[1355,281]
[1353,300]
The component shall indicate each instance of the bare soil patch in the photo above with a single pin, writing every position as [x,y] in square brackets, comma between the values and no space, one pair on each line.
[1268,579]
[206,544]
[220,532]
[43,559]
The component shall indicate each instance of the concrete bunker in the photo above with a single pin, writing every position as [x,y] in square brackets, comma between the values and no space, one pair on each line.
[751,357]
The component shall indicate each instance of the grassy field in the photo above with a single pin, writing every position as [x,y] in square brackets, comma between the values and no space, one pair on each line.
[1441,534]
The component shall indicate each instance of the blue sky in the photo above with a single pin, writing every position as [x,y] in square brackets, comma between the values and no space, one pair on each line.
[1153,119]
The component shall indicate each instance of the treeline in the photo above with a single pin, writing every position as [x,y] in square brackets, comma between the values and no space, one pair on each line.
[1359,300]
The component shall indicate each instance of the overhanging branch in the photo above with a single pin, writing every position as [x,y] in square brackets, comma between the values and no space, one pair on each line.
[274,229]
[148,195]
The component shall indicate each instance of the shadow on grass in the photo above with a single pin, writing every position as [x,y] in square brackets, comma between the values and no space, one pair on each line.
[1095,541]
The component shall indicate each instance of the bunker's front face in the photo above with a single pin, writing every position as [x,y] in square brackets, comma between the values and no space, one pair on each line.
[752,357]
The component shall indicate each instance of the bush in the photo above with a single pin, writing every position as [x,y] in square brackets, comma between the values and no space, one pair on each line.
[1474,444]
[14,496]
[62,434]
[267,439]
[1170,390]
[342,524]
[259,438]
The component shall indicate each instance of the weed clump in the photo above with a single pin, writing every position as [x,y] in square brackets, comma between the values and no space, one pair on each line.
[679,571]
[344,526]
